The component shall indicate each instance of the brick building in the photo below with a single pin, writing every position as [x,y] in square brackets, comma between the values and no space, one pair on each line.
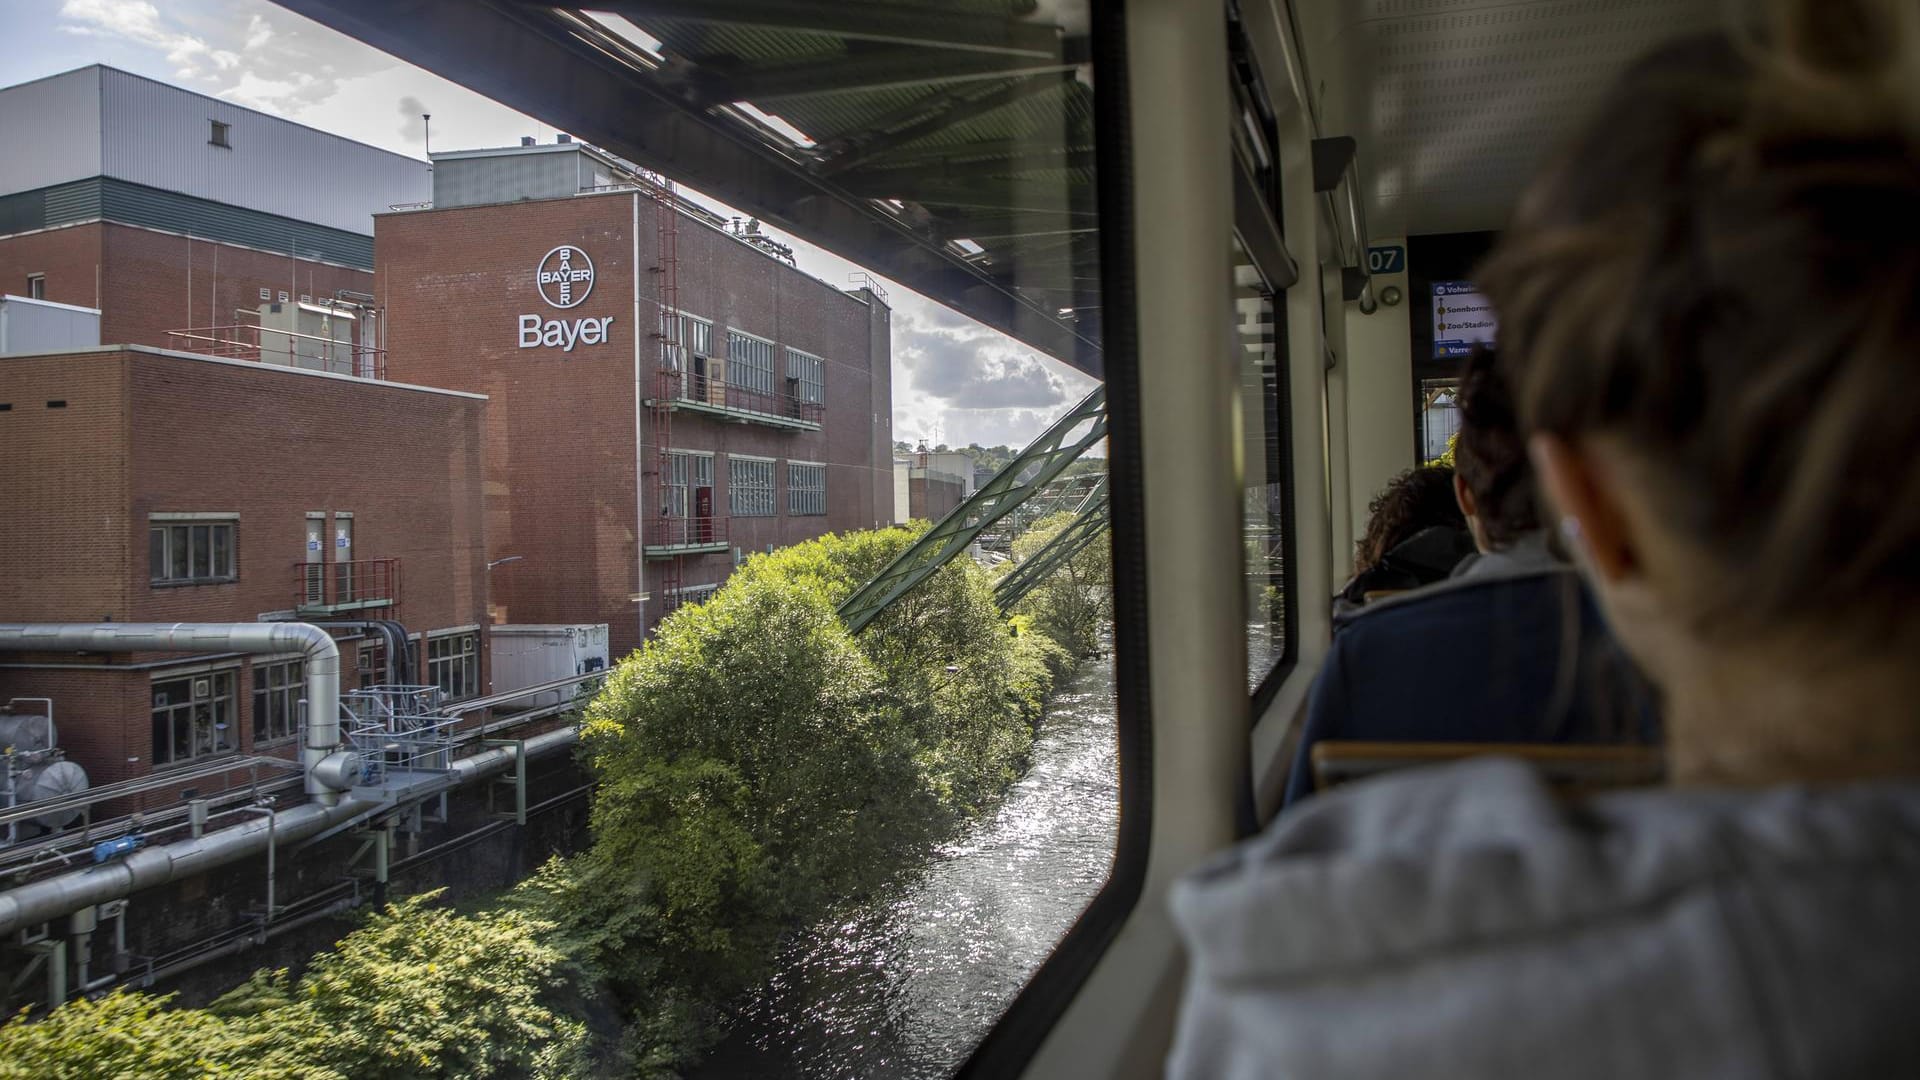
[170,210]
[540,278]
[150,486]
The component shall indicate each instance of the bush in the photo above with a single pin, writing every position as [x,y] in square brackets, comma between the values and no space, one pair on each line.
[1074,603]
[757,765]
[418,992]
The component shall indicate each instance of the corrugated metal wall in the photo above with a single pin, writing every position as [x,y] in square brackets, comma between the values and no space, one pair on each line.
[542,174]
[159,136]
[132,204]
[52,128]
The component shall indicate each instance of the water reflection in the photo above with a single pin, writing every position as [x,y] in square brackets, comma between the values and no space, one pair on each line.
[908,984]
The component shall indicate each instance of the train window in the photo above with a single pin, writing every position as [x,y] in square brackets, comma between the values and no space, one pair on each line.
[1264,453]
[794,741]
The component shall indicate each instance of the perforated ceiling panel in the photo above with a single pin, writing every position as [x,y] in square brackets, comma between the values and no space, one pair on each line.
[1454,102]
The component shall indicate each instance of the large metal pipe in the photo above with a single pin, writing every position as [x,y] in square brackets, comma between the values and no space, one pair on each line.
[315,645]
[50,898]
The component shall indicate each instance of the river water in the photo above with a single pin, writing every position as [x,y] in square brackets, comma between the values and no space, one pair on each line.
[908,984]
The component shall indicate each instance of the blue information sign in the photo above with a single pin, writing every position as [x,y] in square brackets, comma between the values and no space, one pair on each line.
[1386,259]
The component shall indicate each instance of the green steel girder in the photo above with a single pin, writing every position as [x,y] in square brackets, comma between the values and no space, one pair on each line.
[1037,466]
[1089,523]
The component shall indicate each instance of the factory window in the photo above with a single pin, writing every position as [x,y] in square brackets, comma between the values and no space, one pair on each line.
[806,377]
[36,286]
[806,489]
[749,363]
[750,487]
[192,716]
[276,699]
[687,473]
[693,335]
[191,550]
[219,136]
[453,663]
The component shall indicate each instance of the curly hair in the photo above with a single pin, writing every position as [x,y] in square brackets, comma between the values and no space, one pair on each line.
[1416,499]
[1491,455]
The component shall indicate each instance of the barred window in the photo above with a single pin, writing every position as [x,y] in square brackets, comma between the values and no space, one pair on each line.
[687,472]
[806,489]
[749,363]
[453,664]
[750,487]
[276,699]
[192,716]
[806,376]
[692,336]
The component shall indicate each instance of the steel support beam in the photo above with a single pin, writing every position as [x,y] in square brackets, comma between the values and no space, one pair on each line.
[1059,446]
[927,26]
[599,87]
[1089,522]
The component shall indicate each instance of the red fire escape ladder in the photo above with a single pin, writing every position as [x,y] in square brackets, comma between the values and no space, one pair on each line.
[668,374]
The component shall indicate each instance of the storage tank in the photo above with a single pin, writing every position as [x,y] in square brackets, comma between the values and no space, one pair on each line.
[34,769]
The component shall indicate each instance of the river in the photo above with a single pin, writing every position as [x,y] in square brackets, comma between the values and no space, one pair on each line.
[906,985]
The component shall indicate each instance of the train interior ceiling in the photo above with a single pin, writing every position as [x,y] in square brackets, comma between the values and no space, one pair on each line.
[1140,146]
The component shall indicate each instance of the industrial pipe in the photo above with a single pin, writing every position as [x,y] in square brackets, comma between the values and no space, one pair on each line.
[315,645]
[50,898]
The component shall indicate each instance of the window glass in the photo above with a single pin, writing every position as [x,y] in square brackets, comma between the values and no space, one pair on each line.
[277,689]
[191,553]
[192,716]
[808,373]
[749,363]
[806,489]
[749,487]
[453,664]
[1263,454]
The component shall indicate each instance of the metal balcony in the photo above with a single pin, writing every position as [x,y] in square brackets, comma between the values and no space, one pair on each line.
[329,588]
[670,536]
[693,392]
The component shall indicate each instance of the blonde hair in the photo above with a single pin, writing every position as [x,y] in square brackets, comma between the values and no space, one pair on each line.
[1722,272]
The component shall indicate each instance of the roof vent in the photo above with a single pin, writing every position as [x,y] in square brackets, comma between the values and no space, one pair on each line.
[526,140]
[563,137]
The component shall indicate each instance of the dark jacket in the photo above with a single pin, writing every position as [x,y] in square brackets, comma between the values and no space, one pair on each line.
[1427,556]
[1510,649]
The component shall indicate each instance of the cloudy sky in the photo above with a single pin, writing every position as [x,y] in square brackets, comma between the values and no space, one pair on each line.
[955,381]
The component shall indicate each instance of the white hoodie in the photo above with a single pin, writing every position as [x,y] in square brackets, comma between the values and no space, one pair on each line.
[1462,922]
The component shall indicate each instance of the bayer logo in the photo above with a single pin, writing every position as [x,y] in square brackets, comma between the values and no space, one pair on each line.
[565,276]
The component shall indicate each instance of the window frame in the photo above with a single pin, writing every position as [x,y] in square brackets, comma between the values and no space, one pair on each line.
[467,657]
[37,286]
[759,500]
[229,674]
[220,134]
[284,678]
[795,491]
[798,363]
[676,499]
[738,366]
[165,529]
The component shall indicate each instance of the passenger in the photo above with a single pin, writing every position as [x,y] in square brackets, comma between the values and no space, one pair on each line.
[1707,305]
[1416,535]
[1509,649]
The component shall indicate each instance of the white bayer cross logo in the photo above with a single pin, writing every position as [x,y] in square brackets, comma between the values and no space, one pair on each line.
[565,276]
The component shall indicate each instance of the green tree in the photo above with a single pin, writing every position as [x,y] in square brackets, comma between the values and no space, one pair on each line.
[1073,604]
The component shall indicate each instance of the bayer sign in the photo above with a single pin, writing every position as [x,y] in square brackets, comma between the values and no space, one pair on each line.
[565,276]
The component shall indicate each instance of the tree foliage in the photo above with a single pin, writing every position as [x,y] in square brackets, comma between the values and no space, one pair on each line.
[419,991]
[757,764]
[1074,603]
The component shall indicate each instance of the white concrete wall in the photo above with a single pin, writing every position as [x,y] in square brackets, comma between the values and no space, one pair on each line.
[1378,366]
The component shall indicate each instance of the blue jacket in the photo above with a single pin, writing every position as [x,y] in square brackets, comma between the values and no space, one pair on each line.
[1509,649]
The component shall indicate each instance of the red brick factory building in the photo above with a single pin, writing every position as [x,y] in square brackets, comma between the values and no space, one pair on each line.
[631,462]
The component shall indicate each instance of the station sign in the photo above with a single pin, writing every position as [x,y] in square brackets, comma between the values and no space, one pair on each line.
[1462,318]
[564,278]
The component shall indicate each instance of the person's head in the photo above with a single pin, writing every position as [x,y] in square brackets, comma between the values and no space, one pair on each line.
[1492,478]
[1415,500]
[1707,312]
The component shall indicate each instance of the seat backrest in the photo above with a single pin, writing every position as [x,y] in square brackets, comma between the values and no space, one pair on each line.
[1572,769]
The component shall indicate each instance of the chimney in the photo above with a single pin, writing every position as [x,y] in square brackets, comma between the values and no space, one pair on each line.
[526,140]
[563,137]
